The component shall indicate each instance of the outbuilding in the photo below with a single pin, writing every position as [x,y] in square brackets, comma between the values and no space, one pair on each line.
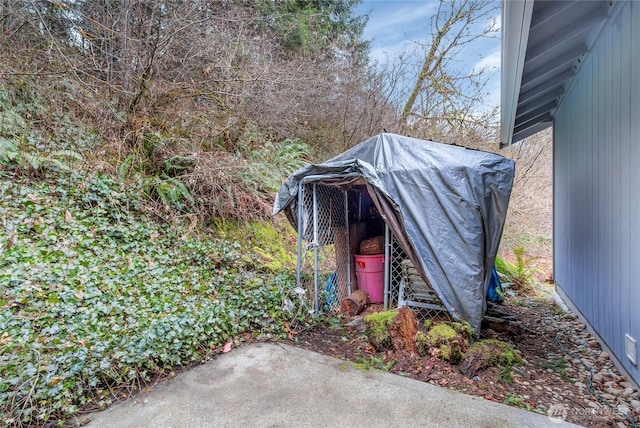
[436,210]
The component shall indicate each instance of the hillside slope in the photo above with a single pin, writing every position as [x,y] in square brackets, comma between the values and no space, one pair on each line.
[97,299]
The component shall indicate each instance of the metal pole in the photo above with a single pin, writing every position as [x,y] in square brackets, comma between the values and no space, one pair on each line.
[315,249]
[387,264]
[348,239]
[300,233]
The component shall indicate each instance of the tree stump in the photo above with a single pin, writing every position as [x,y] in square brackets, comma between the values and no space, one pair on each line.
[378,327]
[404,330]
[447,341]
[395,330]
[355,303]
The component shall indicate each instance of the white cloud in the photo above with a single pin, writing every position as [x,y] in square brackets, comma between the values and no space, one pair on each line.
[490,62]
[392,18]
[493,95]
[400,27]
[391,51]
[497,22]
[394,26]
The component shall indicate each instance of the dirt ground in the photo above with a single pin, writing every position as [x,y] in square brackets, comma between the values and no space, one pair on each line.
[554,380]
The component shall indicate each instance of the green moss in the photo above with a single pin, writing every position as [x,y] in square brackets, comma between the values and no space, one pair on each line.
[446,352]
[274,243]
[446,342]
[441,332]
[422,343]
[463,328]
[497,352]
[384,317]
[427,324]
[377,326]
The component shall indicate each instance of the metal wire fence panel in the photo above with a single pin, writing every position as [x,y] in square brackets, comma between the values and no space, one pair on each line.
[407,288]
[325,254]
[325,258]
[328,203]
[397,255]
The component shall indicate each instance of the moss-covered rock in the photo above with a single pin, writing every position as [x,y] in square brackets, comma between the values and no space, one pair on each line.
[444,341]
[464,329]
[378,328]
[497,352]
[489,353]
[441,333]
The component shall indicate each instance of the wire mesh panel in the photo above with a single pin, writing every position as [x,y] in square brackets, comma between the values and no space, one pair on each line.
[396,256]
[325,254]
[407,288]
[325,265]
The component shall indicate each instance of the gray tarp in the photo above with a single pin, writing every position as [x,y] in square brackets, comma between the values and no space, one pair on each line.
[445,204]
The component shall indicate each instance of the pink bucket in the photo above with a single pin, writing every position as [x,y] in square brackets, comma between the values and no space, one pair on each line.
[370,276]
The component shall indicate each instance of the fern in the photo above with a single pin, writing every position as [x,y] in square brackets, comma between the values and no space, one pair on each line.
[169,191]
[273,162]
[124,169]
[291,155]
[179,164]
[520,276]
[12,155]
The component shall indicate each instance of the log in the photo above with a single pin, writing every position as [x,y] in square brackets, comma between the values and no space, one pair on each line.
[355,303]
[372,246]
[500,325]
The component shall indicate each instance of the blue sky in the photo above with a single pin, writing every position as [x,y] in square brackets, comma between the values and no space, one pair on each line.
[396,26]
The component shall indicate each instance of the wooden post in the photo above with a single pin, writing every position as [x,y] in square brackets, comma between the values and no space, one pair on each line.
[340,235]
[357,232]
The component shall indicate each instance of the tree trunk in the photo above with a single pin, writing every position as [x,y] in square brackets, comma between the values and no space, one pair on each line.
[431,61]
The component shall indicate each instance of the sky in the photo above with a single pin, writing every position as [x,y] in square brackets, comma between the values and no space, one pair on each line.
[397,26]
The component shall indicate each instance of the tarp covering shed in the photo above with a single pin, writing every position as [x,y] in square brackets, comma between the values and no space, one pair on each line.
[445,204]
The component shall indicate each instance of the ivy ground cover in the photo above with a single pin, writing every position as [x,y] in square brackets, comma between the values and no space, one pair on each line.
[96,297]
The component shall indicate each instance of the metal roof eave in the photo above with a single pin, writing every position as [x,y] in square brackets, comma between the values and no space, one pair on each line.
[516,20]
[554,39]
